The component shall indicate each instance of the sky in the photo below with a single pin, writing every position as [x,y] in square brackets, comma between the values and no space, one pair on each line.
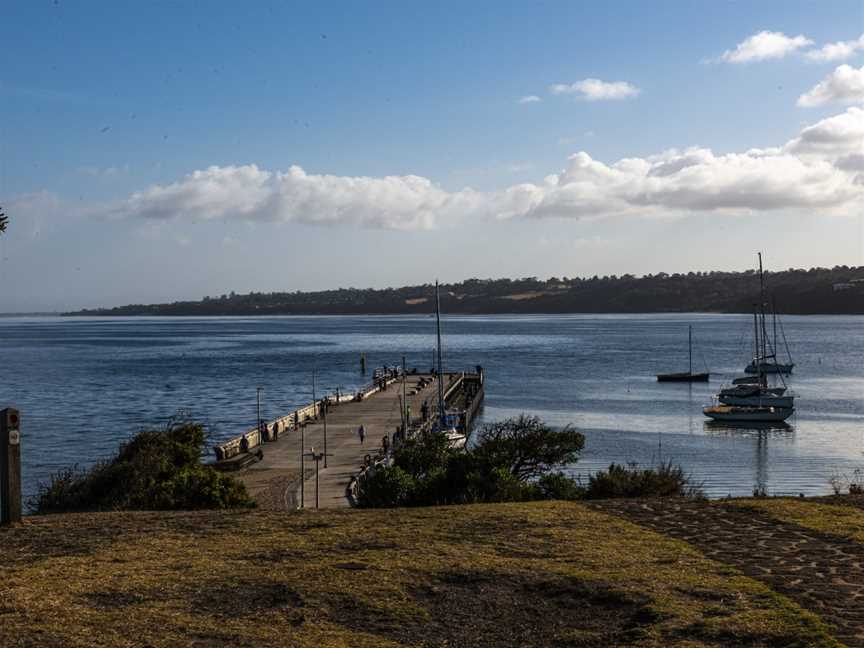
[159,151]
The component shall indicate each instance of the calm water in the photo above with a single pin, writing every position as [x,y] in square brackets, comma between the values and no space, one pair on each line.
[83,385]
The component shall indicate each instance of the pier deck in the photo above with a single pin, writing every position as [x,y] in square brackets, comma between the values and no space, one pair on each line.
[274,481]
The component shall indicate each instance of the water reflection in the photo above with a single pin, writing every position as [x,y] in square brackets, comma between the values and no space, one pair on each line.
[762,432]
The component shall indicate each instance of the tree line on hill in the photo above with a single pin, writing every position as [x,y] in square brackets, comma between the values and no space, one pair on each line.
[837,290]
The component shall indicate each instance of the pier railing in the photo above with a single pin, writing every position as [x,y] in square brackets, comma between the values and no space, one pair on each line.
[470,383]
[270,430]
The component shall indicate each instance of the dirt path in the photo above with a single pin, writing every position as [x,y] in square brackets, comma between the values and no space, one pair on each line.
[822,573]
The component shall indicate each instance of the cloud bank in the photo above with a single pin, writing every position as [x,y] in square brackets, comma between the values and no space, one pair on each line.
[820,169]
[765,45]
[596,90]
[839,51]
[843,85]
[529,99]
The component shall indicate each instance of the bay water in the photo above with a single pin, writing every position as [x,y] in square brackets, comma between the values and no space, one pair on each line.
[84,385]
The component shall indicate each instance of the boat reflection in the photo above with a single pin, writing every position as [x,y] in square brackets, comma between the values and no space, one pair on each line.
[743,427]
[761,431]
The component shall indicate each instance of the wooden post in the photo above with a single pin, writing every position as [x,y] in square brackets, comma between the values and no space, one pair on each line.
[10,466]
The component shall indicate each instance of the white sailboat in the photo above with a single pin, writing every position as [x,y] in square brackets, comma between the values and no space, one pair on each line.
[455,438]
[748,414]
[748,402]
[767,362]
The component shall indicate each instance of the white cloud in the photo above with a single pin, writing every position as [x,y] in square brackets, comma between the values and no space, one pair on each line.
[253,194]
[765,45]
[839,51]
[596,90]
[843,85]
[832,138]
[529,99]
[820,169]
[106,172]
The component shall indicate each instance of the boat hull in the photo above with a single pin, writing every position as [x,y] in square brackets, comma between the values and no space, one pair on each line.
[743,414]
[683,377]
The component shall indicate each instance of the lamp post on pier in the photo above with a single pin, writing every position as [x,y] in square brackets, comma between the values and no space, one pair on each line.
[316,457]
[324,408]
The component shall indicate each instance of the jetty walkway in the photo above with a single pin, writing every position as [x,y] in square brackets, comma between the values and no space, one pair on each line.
[275,481]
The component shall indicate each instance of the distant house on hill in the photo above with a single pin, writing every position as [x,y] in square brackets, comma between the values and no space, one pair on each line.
[848,285]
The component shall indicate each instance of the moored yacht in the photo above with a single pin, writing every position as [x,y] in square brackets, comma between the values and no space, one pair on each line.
[754,400]
[685,376]
[745,414]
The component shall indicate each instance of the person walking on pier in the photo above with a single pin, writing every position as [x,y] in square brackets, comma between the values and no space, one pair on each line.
[361,432]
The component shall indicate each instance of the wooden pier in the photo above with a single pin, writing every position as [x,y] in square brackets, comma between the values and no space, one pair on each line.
[267,460]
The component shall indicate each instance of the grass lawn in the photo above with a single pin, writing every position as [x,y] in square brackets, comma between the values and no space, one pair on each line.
[535,574]
[841,516]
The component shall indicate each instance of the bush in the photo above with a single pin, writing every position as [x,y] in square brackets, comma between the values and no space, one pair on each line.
[155,470]
[386,487]
[559,486]
[527,447]
[507,463]
[423,454]
[667,480]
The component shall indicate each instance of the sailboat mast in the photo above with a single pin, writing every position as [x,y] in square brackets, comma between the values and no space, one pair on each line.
[756,358]
[762,310]
[441,413]
[774,322]
[690,347]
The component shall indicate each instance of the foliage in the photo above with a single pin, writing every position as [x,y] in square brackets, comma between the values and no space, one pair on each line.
[527,447]
[510,461]
[153,470]
[853,483]
[559,486]
[666,480]
[507,463]
[795,291]
[420,455]
[386,487]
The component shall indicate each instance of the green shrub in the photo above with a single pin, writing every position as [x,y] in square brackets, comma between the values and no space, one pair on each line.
[506,463]
[153,470]
[526,446]
[386,487]
[423,454]
[667,480]
[559,486]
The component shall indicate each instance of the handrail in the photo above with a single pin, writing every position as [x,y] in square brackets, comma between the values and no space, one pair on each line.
[385,457]
[252,438]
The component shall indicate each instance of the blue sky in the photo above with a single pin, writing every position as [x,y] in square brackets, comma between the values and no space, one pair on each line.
[106,109]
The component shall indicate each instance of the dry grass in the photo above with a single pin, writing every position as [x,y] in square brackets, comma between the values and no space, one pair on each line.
[841,516]
[536,574]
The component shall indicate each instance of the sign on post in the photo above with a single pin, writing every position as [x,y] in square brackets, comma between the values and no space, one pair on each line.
[10,466]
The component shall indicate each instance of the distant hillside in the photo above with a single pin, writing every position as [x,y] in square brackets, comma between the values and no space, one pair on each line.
[818,290]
